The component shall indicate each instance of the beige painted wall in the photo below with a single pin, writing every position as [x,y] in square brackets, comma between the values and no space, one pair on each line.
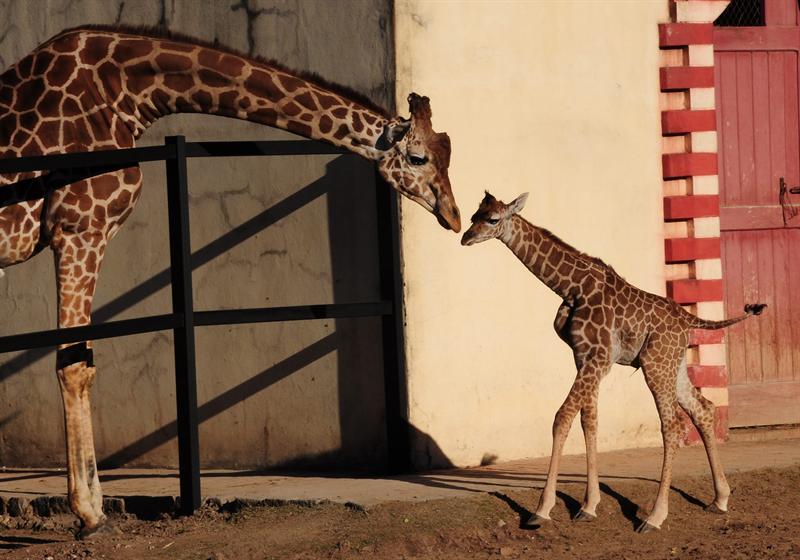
[559,98]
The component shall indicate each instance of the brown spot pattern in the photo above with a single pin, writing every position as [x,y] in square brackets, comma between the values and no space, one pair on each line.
[42,63]
[202,98]
[358,125]
[260,84]
[291,109]
[129,49]
[179,82]
[306,100]
[63,67]
[169,62]
[139,76]
[95,50]
[213,79]
[325,124]
[341,132]
[28,94]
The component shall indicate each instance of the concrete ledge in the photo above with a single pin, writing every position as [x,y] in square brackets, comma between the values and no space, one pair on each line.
[151,493]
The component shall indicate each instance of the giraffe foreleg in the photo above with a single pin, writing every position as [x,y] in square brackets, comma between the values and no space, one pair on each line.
[588,511]
[83,483]
[82,217]
[701,412]
[78,258]
[583,388]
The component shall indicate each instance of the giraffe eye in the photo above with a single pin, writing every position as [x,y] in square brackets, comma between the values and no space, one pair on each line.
[492,221]
[417,160]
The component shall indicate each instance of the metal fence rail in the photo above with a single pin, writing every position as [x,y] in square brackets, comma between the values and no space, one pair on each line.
[184,318]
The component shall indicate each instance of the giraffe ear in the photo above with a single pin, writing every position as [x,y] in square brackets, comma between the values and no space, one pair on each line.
[393,132]
[516,206]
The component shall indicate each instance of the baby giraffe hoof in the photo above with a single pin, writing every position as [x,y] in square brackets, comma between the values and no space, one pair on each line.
[102,529]
[714,508]
[584,516]
[646,527]
[534,522]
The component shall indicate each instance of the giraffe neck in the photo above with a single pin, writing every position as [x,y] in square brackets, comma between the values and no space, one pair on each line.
[163,76]
[559,266]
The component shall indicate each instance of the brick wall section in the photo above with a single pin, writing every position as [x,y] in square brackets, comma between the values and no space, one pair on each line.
[691,191]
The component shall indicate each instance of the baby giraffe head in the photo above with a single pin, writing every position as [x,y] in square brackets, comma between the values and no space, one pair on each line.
[492,219]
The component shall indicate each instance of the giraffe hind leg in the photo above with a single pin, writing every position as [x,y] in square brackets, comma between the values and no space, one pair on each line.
[660,367]
[701,412]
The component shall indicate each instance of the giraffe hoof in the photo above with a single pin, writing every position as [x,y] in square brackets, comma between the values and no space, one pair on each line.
[646,527]
[534,522]
[714,508]
[584,516]
[102,529]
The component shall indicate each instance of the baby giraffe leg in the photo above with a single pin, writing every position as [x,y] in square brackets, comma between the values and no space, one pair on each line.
[701,411]
[585,384]
[561,426]
[561,322]
[588,511]
[662,383]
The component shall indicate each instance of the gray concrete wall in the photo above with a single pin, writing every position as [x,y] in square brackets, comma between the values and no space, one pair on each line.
[307,393]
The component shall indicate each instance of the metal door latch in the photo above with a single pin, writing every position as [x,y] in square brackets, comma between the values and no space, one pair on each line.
[789,209]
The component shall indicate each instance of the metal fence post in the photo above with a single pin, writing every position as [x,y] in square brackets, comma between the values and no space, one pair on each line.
[182,304]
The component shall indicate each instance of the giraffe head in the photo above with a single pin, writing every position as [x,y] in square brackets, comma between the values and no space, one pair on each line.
[492,218]
[414,161]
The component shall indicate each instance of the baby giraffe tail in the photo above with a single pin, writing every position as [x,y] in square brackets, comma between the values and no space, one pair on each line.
[749,309]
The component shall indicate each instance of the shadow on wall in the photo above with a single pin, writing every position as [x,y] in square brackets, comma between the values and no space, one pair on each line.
[349,185]
[426,453]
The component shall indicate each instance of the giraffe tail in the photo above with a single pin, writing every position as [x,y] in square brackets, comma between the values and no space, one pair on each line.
[749,309]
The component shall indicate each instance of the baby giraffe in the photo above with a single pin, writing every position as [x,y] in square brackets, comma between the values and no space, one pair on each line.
[605,321]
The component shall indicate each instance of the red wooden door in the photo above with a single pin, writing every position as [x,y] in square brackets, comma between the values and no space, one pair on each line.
[758,124]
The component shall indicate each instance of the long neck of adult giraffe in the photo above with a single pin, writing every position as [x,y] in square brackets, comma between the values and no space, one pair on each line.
[552,261]
[206,80]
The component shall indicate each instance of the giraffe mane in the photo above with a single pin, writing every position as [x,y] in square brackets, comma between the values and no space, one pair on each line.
[164,33]
[560,242]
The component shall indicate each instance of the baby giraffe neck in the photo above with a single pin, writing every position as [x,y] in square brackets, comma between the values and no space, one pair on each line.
[551,260]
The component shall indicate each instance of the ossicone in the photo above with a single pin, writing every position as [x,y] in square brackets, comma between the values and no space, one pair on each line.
[420,107]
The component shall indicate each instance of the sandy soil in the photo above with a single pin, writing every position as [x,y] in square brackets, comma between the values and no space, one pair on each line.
[764,522]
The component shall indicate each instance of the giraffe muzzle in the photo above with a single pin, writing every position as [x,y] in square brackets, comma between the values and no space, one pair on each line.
[468,238]
[449,220]
[447,213]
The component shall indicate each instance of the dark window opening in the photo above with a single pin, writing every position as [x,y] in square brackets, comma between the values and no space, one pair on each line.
[742,13]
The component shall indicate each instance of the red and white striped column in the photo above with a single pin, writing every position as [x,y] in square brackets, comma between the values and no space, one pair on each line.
[691,191]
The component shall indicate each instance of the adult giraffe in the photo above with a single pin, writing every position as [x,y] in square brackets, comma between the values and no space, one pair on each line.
[95,88]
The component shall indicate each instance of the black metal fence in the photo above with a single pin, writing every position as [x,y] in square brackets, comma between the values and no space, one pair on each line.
[183,319]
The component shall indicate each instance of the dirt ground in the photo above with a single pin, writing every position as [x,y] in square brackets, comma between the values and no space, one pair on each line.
[763,522]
